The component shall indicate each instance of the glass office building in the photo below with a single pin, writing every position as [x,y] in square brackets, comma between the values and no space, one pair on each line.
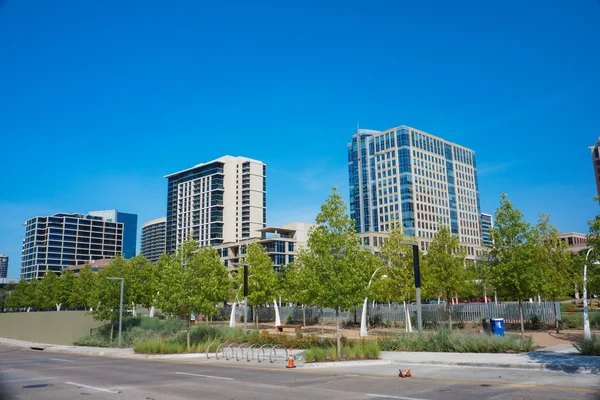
[3,266]
[129,222]
[62,240]
[487,223]
[154,234]
[407,176]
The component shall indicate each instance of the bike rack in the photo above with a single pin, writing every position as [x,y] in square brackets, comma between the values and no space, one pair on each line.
[241,349]
[220,347]
[250,351]
[274,352]
[262,349]
[231,348]
[207,349]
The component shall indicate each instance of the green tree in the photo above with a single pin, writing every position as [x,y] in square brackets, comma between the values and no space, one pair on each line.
[556,262]
[66,286]
[262,281]
[47,291]
[444,269]
[593,241]
[399,284]
[21,296]
[141,276]
[514,270]
[83,286]
[106,293]
[331,262]
[213,284]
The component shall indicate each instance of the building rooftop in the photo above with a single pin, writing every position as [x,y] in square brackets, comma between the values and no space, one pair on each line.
[220,159]
[155,221]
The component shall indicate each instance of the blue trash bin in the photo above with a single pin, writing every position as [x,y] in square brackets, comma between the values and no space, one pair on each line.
[498,326]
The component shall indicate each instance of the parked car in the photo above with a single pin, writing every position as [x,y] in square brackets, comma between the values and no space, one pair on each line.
[480,300]
[463,300]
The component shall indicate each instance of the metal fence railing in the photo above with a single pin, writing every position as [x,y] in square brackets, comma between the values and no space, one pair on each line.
[466,312]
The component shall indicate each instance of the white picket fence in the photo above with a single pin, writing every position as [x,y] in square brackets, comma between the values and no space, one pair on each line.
[466,312]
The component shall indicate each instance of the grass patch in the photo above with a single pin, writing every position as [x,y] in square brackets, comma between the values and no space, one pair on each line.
[444,340]
[589,347]
[363,350]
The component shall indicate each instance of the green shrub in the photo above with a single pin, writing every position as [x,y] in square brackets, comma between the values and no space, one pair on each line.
[445,340]
[95,340]
[571,320]
[589,347]
[461,325]
[352,351]
[299,334]
[534,323]
[376,320]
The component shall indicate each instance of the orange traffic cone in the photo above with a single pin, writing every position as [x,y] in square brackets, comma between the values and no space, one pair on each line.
[404,373]
[290,360]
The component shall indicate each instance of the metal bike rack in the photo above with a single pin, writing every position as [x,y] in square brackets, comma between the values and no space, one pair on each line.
[207,349]
[250,351]
[274,352]
[226,354]
[262,350]
[242,351]
[220,348]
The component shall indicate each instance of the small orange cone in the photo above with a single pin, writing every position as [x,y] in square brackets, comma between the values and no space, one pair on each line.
[404,373]
[290,360]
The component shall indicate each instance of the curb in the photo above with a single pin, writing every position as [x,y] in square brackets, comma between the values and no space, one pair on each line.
[338,364]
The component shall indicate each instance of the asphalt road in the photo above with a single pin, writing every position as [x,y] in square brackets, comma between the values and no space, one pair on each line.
[30,374]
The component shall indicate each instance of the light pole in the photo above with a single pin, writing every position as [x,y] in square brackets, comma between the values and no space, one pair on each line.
[417,270]
[363,317]
[120,307]
[586,320]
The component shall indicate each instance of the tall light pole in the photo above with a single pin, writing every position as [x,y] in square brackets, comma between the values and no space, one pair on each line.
[417,270]
[120,308]
[245,299]
[586,320]
[363,317]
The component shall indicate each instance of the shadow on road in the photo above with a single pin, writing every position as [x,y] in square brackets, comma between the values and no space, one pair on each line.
[569,363]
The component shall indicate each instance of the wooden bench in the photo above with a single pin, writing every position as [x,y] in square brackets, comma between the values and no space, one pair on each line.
[296,328]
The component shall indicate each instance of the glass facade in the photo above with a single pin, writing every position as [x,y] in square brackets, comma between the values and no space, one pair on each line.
[62,240]
[487,224]
[407,176]
[153,239]
[3,266]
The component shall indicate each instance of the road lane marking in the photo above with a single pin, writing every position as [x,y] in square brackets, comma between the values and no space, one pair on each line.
[501,383]
[29,379]
[385,396]
[63,360]
[205,376]
[93,387]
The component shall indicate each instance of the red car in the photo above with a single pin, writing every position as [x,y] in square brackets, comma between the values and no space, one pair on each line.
[480,300]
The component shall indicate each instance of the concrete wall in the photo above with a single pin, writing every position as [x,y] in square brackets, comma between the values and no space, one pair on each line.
[50,327]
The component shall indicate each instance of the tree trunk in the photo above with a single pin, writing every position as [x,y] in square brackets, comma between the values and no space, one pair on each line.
[303,315]
[555,315]
[449,310]
[337,331]
[255,311]
[521,319]
[322,323]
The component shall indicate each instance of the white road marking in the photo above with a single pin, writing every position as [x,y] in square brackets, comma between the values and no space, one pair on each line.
[93,387]
[385,396]
[63,360]
[205,376]
[29,379]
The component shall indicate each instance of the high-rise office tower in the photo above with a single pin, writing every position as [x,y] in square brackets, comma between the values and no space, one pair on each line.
[61,240]
[403,175]
[154,233]
[221,201]
[487,223]
[3,266]
[596,163]
[129,222]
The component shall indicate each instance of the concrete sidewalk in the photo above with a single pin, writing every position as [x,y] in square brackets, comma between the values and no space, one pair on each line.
[562,358]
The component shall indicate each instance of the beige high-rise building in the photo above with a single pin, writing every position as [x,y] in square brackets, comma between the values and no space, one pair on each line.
[404,175]
[220,201]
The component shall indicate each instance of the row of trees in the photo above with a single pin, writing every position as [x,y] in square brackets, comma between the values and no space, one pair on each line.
[333,271]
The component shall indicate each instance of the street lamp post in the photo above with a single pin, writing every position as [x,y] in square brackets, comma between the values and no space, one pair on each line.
[120,308]
[363,317]
[417,270]
[586,320]
[245,299]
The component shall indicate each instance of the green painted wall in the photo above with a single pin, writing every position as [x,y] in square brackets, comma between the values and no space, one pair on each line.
[51,327]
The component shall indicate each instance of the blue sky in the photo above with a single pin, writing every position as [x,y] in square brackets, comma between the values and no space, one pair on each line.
[99,100]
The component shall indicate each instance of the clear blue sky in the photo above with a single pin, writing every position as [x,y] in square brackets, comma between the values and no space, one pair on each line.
[99,100]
